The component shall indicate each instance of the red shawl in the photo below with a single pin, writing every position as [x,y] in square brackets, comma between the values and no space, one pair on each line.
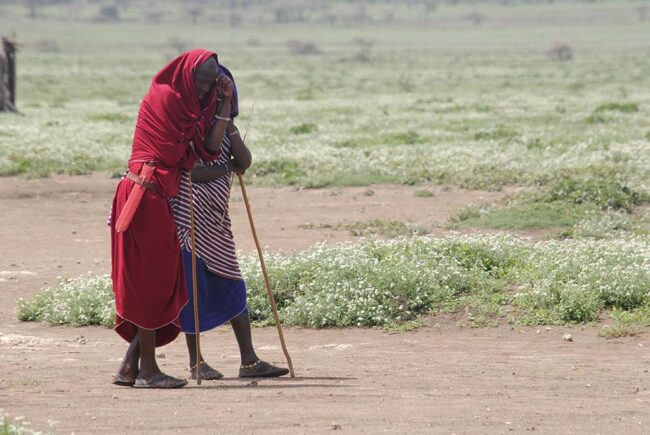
[147,268]
[169,117]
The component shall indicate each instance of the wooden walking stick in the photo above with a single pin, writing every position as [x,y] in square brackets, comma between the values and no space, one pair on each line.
[197,333]
[266,277]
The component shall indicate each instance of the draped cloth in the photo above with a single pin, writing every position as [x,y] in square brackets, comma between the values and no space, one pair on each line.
[220,288]
[215,243]
[147,267]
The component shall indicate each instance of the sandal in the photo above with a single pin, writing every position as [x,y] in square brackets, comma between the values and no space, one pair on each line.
[160,380]
[261,369]
[122,381]
[207,372]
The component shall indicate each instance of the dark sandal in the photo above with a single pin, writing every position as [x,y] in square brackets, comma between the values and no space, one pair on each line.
[160,381]
[207,372]
[261,369]
[122,381]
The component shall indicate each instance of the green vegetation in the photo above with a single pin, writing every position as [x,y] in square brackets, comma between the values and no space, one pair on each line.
[566,201]
[79,302]
[476,105]
[304,128]
[627,323]
[618,107]
[17,426]
[522,216]
[381,227]
[375,227]
[420,193]
[386,283]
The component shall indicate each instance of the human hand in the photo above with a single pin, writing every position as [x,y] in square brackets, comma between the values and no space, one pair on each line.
[236,169]
[224,85]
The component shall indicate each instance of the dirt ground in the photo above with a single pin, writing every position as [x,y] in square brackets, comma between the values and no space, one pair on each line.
[439,379]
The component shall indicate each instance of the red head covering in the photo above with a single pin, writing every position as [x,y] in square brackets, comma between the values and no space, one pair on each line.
[170,117]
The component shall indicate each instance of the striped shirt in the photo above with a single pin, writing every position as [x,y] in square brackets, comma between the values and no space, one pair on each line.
[215,243]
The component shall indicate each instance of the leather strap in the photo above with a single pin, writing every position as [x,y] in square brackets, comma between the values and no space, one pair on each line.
[138,180]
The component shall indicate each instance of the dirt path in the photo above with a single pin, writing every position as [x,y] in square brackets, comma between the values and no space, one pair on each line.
[440,379]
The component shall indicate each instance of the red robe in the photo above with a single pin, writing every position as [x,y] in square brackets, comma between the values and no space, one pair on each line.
[147,267]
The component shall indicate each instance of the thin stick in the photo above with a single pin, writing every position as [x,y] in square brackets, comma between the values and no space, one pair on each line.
[250,115]
[197,333]
[266,277]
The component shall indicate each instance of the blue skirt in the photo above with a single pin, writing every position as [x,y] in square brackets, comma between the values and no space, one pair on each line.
[220,299]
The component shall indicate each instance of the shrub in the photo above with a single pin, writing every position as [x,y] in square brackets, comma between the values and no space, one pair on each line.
[87,300]
[595,118]
[603,189]
[285,170]
[577,304]
[618,107]
[380,283]
[603,225]
[403,138]
[495,134]
[423,193]
[304,128]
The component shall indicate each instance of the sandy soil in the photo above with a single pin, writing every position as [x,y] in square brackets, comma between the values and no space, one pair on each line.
[440,379]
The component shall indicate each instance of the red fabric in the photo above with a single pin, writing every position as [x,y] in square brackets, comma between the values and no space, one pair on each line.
[131,205]
[169,117]
[147,267]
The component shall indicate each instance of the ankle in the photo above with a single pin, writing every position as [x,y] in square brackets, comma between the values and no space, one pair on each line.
[249,360]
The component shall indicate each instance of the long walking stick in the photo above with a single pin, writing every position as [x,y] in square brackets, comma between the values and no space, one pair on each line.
[266,276]
[197,333]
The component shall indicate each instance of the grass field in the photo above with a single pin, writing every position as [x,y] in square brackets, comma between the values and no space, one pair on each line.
[551,97]
[439,100]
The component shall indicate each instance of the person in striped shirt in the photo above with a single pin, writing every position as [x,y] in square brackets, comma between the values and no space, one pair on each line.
[221,289]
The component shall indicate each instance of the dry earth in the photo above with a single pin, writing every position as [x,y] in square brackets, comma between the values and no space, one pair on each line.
[439,379]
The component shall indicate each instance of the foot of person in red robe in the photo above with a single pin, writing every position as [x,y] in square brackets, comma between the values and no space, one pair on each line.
[147,375]
[130,366]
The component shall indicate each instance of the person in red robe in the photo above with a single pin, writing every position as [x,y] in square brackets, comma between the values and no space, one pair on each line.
[176,122]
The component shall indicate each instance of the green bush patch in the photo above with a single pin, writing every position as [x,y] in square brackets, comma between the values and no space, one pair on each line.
[495,134]
[604,190]
[85,301]
[618,107]
[109,117]
[595,118]
[303,129]
[423,193]
[380,227]
[384,283]
[403,138]
[523,216]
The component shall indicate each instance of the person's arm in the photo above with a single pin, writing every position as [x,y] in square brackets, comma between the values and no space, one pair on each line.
[205,173]
[241,155]
[214,136]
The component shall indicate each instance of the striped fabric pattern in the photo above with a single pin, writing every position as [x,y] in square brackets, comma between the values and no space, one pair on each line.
[215,243]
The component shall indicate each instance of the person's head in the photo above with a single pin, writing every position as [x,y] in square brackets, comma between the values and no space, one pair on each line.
[205,76]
